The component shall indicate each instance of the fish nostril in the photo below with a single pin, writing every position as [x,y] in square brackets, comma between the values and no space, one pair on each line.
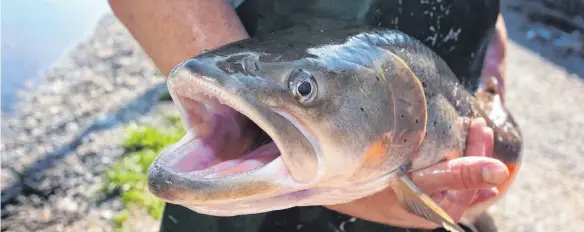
[250,66]
[196,66]
[239,64]
[192,65]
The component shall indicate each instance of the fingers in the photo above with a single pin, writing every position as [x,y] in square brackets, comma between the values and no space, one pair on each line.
[484,195]
[480,139]
[466,173]
[455,203]
[465,181]
[461,182]
[475,171]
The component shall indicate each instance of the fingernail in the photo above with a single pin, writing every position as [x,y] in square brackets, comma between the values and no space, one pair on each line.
[495,174]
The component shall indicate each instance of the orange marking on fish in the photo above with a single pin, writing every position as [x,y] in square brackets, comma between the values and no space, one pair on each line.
[377,152]
[513,168]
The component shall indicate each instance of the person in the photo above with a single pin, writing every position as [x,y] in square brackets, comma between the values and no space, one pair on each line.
[171,31]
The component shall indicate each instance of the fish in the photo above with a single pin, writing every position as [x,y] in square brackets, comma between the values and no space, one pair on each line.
[322,113]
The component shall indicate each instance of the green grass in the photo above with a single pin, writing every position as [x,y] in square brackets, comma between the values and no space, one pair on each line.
[128,176]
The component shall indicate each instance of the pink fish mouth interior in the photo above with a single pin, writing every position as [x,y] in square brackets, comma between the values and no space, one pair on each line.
[224,142]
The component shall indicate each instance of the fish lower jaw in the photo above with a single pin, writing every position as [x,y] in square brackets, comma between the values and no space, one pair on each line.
[272,204]
[316,195]
[284,201]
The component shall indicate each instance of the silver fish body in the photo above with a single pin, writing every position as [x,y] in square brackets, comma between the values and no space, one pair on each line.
[327,118]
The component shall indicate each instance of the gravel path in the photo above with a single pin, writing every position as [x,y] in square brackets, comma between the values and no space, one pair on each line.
[54,153]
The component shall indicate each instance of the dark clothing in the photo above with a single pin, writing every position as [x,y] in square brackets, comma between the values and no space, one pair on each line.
[298,219]
[458,30]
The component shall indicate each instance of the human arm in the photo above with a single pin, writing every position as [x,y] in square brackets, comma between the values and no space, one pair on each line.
[171,31]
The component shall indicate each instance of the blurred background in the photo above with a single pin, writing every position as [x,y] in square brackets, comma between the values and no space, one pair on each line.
[84,112]
[36,33]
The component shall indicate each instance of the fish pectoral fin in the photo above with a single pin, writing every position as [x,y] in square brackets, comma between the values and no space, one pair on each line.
[420,204]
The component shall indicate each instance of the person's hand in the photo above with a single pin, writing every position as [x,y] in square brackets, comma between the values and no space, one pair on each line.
[495,62]
[455,185]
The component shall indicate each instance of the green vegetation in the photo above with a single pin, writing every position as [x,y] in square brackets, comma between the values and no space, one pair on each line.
[128,176]
[165,97]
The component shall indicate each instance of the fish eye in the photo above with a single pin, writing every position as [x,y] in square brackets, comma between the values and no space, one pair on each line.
[303,86]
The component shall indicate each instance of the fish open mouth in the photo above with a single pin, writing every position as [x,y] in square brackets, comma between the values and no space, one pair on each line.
[232,149]
[220,140]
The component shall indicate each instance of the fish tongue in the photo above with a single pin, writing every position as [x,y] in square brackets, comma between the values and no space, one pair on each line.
[256,159]
[246,162]
[193,155]
[219,139]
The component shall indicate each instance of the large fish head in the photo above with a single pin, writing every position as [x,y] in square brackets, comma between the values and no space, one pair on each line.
[271,126]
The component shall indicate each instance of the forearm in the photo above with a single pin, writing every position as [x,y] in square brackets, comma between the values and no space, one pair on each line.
[171,31]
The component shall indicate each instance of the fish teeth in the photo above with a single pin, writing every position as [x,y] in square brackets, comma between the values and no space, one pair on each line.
[221,101]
